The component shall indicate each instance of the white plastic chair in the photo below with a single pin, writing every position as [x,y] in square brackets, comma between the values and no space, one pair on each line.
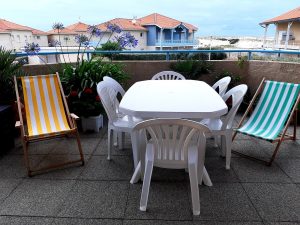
[222,85]
[120,90]
[174,144]
[223,126]
[168,75]
[107,94]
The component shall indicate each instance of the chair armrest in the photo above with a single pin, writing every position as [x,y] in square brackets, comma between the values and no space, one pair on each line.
[18,124]
[74,116]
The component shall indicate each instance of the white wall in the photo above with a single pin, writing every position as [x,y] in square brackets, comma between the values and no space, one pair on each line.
[5,41]
[19,38]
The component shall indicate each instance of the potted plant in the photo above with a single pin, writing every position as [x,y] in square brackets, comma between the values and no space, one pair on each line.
[80,79]
[80,85]
[9,66]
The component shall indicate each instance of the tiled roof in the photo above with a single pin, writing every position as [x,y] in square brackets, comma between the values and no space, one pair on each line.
[78,27]
[164,22]
[7,25]
[288,16]
[124,24]
[63,31]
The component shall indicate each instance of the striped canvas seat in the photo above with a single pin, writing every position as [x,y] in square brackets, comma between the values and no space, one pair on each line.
[272,111]
[45,112]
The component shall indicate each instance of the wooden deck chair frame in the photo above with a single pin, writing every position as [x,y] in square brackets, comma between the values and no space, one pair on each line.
[26,139]
[282,137]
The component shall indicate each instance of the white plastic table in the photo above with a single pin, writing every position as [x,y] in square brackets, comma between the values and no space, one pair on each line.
[171,99]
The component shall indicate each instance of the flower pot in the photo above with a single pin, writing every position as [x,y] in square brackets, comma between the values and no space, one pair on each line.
[92,123]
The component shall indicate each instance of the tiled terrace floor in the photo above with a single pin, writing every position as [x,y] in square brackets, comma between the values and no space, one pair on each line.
[100,192]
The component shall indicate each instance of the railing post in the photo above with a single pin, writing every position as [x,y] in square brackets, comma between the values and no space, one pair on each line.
[249,55]
[88,56]
[168,56]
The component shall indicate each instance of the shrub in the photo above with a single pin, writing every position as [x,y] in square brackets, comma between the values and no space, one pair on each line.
[192,69]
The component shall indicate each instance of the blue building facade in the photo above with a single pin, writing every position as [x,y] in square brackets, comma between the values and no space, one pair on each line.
[166,38]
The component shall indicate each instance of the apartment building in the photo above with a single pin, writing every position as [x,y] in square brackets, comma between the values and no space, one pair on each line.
[14,36]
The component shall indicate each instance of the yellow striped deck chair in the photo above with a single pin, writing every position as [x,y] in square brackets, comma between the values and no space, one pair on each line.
[272,115]
[47,114]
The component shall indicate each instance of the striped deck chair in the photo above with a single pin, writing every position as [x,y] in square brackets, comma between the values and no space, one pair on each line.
[272,114]
[47,114]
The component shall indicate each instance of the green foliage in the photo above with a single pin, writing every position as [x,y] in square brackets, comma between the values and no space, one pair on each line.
[80,84]
[192,69]
[110,46]
[9,67]
[235,79]
[205,56]
[241,61]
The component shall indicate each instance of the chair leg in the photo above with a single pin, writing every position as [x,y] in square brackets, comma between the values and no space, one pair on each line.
[194,188]
[223,146]
[146,185]
[109,144]
[121,139]
[26,158]
[79,147]
[115,134]
[228,144]
[274,154]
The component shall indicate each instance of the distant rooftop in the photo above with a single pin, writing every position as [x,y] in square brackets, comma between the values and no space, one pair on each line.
[164,22]
[286,17]
[7,26]
[124,24]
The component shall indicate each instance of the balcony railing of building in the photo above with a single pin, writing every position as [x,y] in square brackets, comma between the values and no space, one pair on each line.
[176,42]
[167,53]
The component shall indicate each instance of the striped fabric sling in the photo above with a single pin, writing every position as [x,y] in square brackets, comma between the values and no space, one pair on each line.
[45,112]
[272,110]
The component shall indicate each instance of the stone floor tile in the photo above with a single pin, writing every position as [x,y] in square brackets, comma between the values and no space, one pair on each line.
[102,148]
[99,168]
[291,167]
[70,146]
[67,172]
[17,220]
[168,201]
[36,198]
[226,202]
[96,199]
[248,146]
[216,169]
[7,186]
[253,171]
[275,202]
[70,221]
[156,222]
[288,149]
[36,148]
[13,166]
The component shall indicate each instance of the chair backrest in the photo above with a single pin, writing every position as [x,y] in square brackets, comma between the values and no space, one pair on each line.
[116,84]
[45,105]
[168,75]
[222,85]
[108,96]
[171,137]
[272,110]
[237,95]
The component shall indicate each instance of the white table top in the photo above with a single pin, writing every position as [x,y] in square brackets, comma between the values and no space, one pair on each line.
[172,99]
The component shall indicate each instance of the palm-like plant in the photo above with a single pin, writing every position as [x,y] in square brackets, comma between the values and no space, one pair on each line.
[8,68]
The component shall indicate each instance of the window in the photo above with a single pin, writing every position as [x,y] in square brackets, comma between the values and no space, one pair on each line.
[141,34]
[38,37]
[18,38]
[25,36]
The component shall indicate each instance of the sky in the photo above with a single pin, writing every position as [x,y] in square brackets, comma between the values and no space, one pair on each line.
[212,17]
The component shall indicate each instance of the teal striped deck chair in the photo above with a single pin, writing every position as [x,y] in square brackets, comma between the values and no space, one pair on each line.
[272,115]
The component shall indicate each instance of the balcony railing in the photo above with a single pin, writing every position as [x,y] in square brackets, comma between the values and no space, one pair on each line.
[176,42]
